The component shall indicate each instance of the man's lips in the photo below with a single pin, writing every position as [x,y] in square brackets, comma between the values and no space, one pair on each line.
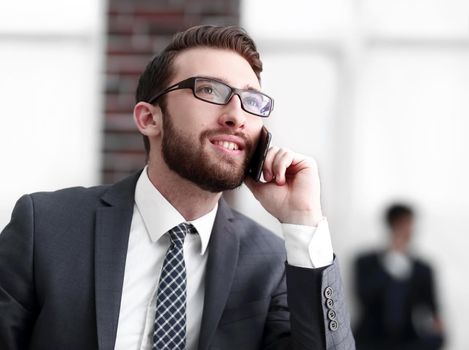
[228,142]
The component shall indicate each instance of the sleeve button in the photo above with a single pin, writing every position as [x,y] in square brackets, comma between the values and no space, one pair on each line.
[328,292]
[331,315]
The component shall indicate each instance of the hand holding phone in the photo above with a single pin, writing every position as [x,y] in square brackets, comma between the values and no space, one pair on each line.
[291,192]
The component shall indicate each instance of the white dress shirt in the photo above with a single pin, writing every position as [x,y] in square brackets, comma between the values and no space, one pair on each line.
[154,216]
[397,264]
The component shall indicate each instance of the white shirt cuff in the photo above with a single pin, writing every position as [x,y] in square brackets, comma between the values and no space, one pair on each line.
[308,246]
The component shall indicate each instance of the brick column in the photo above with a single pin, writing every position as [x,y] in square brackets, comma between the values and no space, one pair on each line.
[137,30]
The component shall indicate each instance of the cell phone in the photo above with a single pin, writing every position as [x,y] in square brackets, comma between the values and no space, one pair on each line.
[257,160]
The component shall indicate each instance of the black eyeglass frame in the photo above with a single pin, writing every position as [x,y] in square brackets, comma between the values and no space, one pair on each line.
[189,83]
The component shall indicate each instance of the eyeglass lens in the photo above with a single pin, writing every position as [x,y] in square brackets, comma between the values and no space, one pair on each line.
[219,93]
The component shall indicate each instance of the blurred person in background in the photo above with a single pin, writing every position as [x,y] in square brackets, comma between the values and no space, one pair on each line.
[396,293]
[159,260]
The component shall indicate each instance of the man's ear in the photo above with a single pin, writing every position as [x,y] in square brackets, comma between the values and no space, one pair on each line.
[148,118]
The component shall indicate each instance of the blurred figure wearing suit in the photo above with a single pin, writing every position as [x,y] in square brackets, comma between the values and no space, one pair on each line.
[396,293]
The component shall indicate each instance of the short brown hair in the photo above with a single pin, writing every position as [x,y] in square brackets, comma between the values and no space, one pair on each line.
[159,71]
[396,212]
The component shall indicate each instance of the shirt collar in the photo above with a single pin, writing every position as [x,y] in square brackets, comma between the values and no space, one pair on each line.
[159,216]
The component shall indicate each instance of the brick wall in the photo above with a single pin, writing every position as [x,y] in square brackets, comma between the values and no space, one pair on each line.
[137,30]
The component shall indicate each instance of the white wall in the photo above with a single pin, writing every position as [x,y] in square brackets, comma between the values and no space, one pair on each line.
[50,96]
[377,91]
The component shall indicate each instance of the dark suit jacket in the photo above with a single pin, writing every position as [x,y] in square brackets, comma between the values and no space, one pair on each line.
[388,306]
[62,260]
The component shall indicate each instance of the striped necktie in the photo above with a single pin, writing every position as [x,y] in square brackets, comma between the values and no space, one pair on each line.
[170,319]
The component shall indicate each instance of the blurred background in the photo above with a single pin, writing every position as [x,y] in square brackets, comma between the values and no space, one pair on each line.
[376,90]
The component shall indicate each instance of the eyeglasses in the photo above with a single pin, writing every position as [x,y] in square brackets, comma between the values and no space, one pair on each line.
[219,93]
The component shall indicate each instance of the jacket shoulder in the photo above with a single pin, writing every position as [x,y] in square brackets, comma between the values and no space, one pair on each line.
[422,267]
[76,197]
[120,193]
[368,257]
[70,192]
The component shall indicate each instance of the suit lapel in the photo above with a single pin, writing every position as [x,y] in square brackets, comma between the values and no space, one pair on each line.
[221,267]
[113,222]
[112,235]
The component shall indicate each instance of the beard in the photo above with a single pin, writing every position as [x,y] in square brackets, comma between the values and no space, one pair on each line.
[192,162]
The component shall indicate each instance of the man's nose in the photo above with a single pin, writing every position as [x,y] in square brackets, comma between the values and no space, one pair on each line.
[233,116]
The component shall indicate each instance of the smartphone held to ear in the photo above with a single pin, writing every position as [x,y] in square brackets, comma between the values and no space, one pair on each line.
[257,161]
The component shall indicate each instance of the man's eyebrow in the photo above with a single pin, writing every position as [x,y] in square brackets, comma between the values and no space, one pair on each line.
[246,87]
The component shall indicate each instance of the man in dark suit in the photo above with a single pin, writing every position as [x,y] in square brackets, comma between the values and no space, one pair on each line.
[158,260]
[396,293]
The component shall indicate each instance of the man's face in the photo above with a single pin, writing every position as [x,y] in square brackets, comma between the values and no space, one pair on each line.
[208,144]
[402,232]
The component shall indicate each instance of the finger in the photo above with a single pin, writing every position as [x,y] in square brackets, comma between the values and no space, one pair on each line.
[267,168]
[283,159]
[300,163]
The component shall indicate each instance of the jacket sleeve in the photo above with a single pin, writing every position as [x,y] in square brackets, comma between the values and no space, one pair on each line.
[318,317]
[17,297]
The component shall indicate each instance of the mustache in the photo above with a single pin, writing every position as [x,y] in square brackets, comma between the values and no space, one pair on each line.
[218,132]
[248,142]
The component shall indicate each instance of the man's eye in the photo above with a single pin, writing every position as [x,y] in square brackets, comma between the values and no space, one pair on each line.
[206,90]
[251,101]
